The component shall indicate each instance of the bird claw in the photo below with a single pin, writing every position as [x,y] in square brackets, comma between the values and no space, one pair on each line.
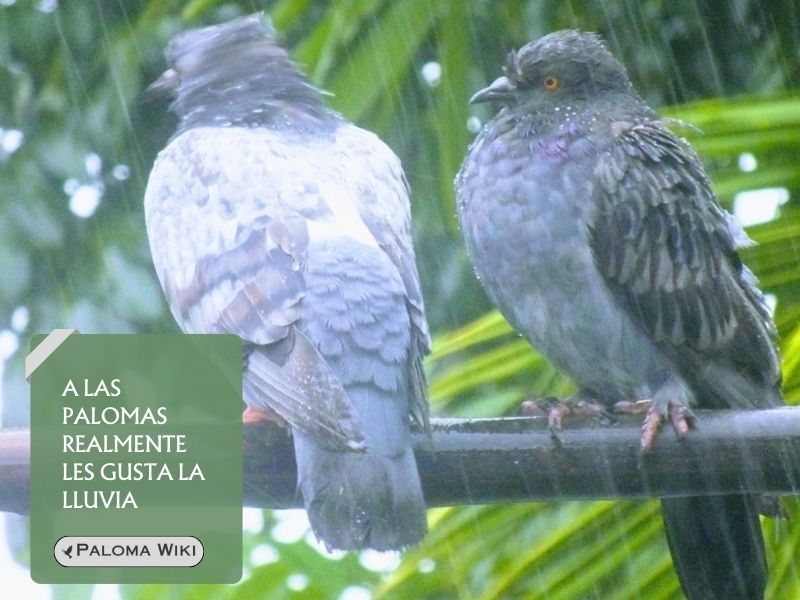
[626,407]
[556,411]
[553,409]
[259,415]
[651,427]
[681,418]
[676,413]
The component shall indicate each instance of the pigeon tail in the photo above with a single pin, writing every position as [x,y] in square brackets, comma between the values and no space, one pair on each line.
[359,500]
[716,546]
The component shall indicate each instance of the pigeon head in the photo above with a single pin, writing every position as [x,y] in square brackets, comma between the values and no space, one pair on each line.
[561,68]
[236,74]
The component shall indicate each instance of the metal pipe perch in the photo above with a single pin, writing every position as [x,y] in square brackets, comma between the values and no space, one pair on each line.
[516,459]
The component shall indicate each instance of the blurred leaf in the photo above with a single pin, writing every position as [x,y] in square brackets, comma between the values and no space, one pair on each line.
[379,60]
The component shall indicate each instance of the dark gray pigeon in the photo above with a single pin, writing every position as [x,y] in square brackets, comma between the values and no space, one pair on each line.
[273,218]
[595,231]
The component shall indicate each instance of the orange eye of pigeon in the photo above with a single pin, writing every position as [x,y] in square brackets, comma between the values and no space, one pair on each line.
[551,83]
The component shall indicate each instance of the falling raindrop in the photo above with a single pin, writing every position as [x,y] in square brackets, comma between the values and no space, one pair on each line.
[361,516]
[11,140]
[432,73]
[292,525]
[771,301]
[426,565]
[121,172]
[47,6]
[264,554]
[85,200]
[473,124]
[9,342]
[747,162]
[759,206]
[355,592]
[93,164]
[297,582]
[375,561]
[20,318]
[71,186]
[252,520]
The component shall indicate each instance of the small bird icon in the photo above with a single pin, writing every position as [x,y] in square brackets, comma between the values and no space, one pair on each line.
[68,552]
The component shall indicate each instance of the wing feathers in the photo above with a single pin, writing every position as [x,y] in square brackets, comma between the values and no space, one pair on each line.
[668,251]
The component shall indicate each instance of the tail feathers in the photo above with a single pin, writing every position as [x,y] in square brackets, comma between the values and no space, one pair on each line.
[716,546]
[360,500]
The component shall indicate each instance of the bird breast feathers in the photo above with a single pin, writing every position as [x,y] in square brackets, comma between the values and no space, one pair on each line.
[213,193]
[205,177]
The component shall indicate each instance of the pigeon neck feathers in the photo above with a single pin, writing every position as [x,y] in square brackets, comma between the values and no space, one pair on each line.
[236,75]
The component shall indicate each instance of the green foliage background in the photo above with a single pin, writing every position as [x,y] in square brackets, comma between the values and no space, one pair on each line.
[71,80]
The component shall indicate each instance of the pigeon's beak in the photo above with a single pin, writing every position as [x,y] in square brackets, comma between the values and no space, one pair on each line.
[500,89]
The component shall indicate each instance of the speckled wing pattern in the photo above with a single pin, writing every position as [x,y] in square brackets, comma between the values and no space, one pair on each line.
[244,273]
[400,251]
[669,252]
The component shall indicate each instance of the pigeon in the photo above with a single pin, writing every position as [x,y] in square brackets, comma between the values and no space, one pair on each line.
[271,217]
[595,231]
